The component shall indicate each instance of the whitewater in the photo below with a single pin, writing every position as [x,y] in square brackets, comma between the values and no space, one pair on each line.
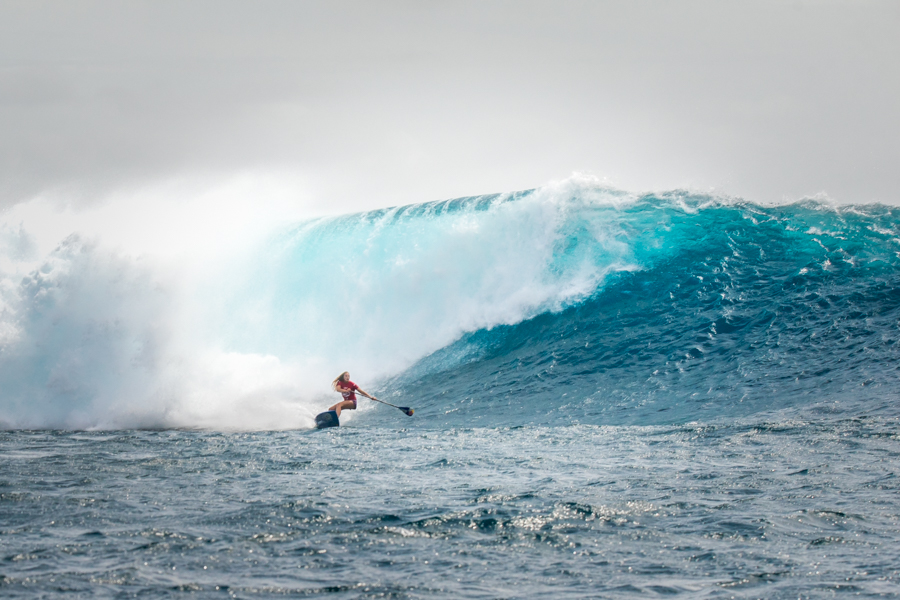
[616,395]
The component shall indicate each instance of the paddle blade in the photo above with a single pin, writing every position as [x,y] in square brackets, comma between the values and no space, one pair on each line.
[407,410]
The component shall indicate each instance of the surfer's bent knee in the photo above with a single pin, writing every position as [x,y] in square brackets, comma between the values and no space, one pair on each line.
[345,405]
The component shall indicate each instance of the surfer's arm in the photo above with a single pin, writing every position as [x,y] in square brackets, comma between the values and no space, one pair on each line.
[366,394]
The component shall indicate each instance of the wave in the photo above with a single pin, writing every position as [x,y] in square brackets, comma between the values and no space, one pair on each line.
[737,309]
[568,303]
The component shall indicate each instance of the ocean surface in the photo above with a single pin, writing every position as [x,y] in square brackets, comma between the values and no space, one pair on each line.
[616,396]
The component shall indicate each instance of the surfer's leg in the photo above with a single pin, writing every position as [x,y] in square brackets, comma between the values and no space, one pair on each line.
[345,405]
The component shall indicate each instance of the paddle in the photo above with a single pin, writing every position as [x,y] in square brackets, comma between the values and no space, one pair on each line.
[405,409]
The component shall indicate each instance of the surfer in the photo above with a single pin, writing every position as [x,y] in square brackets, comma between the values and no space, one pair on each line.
[348,390]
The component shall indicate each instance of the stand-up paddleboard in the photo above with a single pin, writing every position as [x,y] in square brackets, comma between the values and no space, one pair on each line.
[329,418]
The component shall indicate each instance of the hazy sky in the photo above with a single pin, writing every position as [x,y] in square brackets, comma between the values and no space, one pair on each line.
[360,104]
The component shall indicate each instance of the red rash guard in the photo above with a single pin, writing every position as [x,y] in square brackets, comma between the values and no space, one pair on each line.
[348,385]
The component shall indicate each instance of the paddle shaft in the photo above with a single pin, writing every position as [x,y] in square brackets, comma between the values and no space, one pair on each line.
[388,403]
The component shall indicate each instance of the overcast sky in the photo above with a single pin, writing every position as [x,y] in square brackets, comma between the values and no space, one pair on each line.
[364,104]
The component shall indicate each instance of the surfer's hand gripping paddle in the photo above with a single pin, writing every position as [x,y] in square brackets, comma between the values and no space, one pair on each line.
[405,409]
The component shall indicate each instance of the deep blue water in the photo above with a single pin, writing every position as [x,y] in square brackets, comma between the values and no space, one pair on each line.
[615,396]
[780,508]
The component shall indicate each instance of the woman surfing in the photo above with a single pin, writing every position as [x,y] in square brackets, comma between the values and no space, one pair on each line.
[348,390]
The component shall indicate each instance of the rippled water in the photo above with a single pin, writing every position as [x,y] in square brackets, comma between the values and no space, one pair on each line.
[785,506]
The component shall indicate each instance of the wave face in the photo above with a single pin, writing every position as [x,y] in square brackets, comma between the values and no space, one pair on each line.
[735,309]
[381,290]
[569,303]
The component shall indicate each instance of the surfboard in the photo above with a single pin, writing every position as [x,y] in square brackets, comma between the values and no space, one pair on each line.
[328,418]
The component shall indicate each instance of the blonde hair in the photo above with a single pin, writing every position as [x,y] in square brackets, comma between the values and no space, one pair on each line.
[338,378]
